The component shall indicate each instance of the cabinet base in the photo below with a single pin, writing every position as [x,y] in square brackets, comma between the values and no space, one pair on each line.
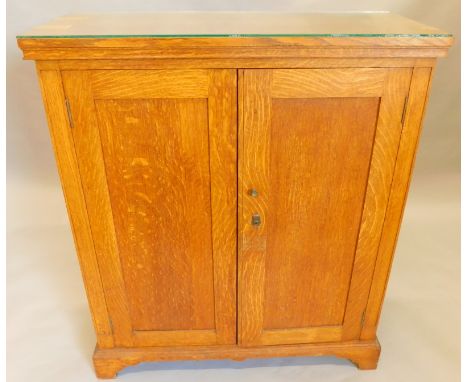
[108,362]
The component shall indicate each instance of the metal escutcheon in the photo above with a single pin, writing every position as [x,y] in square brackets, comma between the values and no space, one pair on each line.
[256,220]
[253,192]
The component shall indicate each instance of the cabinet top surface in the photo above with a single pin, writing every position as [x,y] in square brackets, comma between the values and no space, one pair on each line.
[233,24]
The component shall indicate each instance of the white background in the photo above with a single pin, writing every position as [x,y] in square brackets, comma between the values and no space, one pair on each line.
[49,331]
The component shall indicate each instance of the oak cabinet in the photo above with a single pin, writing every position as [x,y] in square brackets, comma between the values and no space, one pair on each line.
[237,196]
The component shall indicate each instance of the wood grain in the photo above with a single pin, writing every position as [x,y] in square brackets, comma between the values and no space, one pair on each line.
[289,274]
[163,338]
[168,137]
[305,335]
[240,199]
[311,83]
[314,211]
[256,123]
[417,100]
[108,362]
[222,114]
[158,176]
[116,84]
[161,288]
[241,63]
[240,42]
[386,143]
[61,135]
[241,47]
[231,52]
[256,242]
[93,176]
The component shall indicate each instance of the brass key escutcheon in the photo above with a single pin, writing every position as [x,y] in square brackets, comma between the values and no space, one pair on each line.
[256,220]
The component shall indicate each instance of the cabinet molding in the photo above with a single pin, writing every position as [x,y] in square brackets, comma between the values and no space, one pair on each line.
[141,48]
[364,354]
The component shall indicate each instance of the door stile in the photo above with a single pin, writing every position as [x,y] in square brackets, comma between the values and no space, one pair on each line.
[78,90]
[222,121]
[255,174]
[240,193]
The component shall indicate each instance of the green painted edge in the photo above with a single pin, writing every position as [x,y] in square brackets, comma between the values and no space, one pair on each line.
[240,35]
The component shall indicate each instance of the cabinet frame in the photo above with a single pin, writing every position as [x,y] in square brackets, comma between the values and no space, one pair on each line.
[109,359]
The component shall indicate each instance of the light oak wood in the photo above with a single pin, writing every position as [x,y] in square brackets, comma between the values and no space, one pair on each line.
[412,123]
[157,231]
[61,135]
[386,141]
[37,43]
[304,247]
[107,362]
[124,84]
[234,52]
[158,141]
[295,168]
[241,63]
[335,83]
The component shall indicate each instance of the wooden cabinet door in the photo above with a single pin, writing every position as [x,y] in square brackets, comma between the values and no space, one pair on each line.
[157,158]
[319,147]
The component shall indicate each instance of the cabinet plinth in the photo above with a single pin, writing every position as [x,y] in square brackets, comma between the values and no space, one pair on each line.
[235,195]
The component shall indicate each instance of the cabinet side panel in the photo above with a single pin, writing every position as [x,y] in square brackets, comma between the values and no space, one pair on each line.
[405,160]
[384,155]
[54,102]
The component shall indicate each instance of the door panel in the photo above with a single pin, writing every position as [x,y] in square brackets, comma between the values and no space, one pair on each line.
[318,168]
[149,146]
[159,186]
[318,146]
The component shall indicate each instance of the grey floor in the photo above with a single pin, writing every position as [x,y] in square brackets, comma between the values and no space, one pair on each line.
[50,337]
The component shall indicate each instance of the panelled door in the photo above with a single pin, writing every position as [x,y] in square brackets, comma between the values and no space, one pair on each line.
[317,153]
[157,159]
